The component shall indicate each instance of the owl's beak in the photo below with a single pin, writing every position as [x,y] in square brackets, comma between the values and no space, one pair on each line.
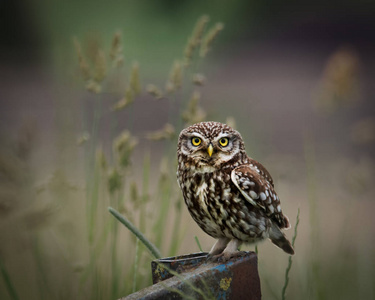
[210,149]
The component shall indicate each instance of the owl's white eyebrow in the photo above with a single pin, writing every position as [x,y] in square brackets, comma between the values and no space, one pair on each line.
[221,135]
[195,134]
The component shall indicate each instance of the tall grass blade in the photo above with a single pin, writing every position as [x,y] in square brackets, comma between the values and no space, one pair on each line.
[145,194]
[283,293]
[43,277]
[198,243]
[136,261]
[164,194]
[176,240]
[8,282]
[151,247]
[115,275]
[315,284]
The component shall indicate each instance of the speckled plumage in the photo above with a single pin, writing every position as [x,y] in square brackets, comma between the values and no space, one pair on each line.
[229,195]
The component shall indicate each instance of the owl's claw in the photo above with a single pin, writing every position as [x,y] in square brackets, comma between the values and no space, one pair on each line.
[210,258]
[225,256]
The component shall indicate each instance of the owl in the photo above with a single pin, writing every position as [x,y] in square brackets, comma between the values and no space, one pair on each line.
[230,195]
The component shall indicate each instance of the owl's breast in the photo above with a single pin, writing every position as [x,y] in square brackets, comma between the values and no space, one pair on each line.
[208,196]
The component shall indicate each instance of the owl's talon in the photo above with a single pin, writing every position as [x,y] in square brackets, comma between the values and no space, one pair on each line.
[225,256]
[211,258]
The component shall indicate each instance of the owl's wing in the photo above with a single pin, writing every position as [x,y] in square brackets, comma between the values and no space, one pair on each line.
[262,170]
[259,192]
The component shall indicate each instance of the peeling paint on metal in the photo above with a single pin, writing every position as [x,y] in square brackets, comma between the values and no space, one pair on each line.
[225,283]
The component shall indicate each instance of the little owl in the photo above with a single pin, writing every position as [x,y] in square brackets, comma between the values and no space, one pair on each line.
[229,195]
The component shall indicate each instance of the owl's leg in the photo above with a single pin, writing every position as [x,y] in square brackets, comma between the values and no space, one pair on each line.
[218,247]
[231,250]
[233,246]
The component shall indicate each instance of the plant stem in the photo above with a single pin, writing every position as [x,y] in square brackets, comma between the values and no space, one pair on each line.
[136,261]
[154,251]
[290,259]
[8,282]
[198,243]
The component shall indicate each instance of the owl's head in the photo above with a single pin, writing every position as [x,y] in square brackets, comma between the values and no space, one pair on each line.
[209,144]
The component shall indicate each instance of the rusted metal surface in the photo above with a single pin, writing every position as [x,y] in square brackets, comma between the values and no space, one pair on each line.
[160,268]
[197,279]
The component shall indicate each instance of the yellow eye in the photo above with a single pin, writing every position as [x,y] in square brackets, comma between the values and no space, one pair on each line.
[196,141]
[224,142]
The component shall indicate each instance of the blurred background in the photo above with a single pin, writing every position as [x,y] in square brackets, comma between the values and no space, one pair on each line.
[94,93]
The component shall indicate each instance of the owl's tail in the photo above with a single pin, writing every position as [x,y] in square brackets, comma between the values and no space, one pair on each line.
[279,239]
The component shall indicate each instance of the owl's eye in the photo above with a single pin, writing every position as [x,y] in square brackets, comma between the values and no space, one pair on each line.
[196,141]
[224,142]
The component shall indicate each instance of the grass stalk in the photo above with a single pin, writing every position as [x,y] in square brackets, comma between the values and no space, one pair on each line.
[159,227]
[114,246]
[198,243]
[145,192]
[136,261]
[151,247]
[43,283]
[114,263]
[94,202]
[314,282]
[175,241]
[8,282]
[98,248]
[92,174]
[289,267]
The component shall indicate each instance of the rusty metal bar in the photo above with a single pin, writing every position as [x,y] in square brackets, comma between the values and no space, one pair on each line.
[191,277]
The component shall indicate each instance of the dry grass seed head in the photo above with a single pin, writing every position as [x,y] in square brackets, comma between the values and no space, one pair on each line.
[195,38]
[199,79]
[199,28]
[134,194]
[84,138]
[126,101]
[100,66]
[175,77]
[154,91]
[340,81]
[115,53]
[169,87]
[92,45]
[209,39]
[167,133]
[93,86]
[129,95]
[114,181]
[123,146]
[101,159]
[83,65]
[120,105]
